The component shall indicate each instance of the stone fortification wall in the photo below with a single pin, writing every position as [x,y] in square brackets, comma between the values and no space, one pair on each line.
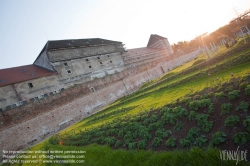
[26,125]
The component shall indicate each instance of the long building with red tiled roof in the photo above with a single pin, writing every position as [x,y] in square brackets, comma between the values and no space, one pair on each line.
[19,74]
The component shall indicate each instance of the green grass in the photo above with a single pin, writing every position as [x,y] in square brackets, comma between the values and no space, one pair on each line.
[97,155]
[175,71]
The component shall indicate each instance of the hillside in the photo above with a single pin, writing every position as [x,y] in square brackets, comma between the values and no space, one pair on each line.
[186,117]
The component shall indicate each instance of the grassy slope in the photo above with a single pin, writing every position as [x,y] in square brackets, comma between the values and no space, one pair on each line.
[97,155]
[103,155]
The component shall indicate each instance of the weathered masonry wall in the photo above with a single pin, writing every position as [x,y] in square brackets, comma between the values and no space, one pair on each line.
[26,125]
[8,96]
[83,52]
[21,92]
[26,133]
[70,73]
[162,44]
[95,66]
[24,112]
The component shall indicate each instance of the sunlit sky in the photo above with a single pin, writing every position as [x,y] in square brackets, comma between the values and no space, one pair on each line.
[26,25]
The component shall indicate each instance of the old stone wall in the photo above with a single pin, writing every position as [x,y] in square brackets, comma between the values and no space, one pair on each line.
[83,52]
[8,96]
[26,125]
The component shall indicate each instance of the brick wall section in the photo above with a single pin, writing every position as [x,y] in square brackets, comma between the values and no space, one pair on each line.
[26,125]
[22,127]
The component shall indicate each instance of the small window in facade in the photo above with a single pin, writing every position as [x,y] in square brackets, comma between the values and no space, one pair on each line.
[22,70]
[30,85]
[65,64]
[92,89]
[69,71]
[110,61]
[98,57]
[32,74]
[87,60]
[90,66]
[2,81]
[101,63]
[108,56]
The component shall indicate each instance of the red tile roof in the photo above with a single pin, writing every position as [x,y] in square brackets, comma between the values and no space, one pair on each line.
[22,73]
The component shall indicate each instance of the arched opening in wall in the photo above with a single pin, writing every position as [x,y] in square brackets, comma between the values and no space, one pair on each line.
[98,57]
[69,71]
[86,60]
[110,61]
[65,64]
[90,67]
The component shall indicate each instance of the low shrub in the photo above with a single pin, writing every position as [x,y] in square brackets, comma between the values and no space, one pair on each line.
[201,141]
[247,90]
[232,121]
[243,106]
[142,144]
[225,108]
[220,95]
[171,142]
[243,85]
[185,142]
[241,138]
[193,132]
[178,126]
[156,141]
[233,95]
[118,143]
[132,145]
[218,138]
[246,123]
[211,108]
